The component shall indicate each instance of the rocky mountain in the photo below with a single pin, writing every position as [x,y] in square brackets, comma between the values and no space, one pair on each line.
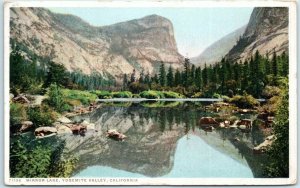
[218,49]
[267,31]
[116,49]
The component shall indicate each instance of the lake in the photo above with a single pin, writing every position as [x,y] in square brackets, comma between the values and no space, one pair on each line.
[164,140]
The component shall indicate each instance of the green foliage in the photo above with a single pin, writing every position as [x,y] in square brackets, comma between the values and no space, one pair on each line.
[216,95]
[271,91]
[65,167]
[122,94]
[77,97]
[25,75]
[29,163]
[162,74]
[161,104]
[244,101]
[197,95]
[171,94]
[56,75]
[41,116]
[279,151]
[56,98]
[17,113]
[102,94]
[151,94]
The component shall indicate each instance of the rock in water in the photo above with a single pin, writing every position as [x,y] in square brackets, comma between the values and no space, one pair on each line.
[64,120]
[261,148]
[25,126]
[208,121]
[62,129]
[43,132]
[115,135]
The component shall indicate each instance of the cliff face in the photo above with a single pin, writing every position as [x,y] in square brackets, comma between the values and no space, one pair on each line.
[267,31]
[139,44]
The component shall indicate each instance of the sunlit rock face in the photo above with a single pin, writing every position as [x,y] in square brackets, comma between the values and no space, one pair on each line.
[267,31]
[112,50]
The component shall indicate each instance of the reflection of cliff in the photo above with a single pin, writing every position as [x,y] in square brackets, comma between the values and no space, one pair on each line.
[147,151]
[224,141]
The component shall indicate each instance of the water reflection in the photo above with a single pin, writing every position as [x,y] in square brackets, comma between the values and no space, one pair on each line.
[156,132]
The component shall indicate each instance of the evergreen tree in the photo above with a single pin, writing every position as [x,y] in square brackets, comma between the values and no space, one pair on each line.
[274,64]
[205,76]
[186,78]
[177,79]
[141,79]
[132,77]
[170,77]
[56,74]
[198,78]
[125,81]
[147,79]
[162,74]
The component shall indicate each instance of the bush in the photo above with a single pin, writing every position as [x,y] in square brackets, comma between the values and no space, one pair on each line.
[271,91]
[279,152]
[197,95]
[102,94]
[77,97]
[64,167]
[41,116]
[245,101]
[216,96]
[56,98]
[33,163]
[122,94]
[17,113]
[150,94]
[171,94]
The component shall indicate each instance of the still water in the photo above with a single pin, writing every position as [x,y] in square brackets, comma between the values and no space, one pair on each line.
[164,141]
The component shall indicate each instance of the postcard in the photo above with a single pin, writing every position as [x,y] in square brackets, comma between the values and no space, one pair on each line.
[150,93]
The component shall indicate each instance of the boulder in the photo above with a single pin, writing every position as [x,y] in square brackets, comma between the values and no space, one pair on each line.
[233,126]
[261,148]
[64,120]
[78,129]
[25,126]
[222,125]
[62,129]
[115,135]
[245,122]
[208,121]
[89,126]
[43,132]
[21,99]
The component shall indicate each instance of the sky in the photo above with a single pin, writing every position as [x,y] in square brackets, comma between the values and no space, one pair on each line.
[194,28]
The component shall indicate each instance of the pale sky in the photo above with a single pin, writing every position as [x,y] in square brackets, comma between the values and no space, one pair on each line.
[194,28]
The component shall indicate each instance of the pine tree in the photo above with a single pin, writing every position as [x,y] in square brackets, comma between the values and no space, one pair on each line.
[132,77]
[162,74]
[177,79]
[125,81]
[141,79]
[274,64]
[198,78]
[186,72]
[205,76]
[170,77]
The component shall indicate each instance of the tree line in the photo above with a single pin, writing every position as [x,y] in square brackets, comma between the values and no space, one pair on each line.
[225,77]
